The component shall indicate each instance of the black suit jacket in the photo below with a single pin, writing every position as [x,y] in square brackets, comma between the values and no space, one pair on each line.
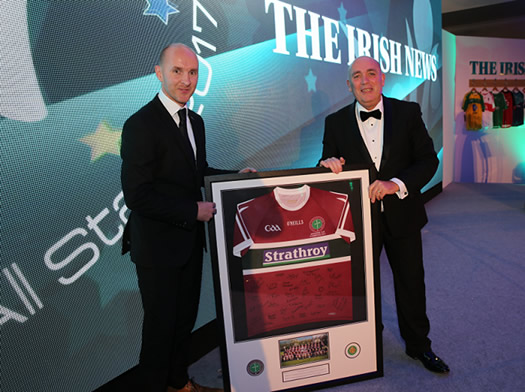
[408,154]
[162,183]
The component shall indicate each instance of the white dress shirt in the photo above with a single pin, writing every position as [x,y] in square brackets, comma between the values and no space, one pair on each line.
[173,107]
[372,134]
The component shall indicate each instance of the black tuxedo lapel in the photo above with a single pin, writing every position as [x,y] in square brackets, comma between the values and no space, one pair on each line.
[387,131]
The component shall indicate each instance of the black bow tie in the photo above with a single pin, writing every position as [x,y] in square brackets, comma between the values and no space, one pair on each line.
[366,115]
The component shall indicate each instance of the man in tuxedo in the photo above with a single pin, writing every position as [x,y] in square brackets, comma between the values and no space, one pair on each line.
[163,167]
[390,136]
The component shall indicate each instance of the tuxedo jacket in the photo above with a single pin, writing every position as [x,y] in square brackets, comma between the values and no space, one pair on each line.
[162,180]
[408,154]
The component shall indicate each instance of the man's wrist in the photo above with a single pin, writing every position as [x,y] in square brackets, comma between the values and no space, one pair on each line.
[403,191]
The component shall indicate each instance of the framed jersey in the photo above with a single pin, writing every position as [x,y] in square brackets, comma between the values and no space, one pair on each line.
[297,288]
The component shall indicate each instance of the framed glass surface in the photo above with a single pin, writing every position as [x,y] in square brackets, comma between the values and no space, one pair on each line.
[295,279]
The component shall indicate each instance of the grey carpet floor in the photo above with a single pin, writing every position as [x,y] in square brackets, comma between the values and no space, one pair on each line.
[474,247]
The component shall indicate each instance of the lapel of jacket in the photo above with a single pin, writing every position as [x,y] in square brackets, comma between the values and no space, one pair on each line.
[387,131]
[198,134]
[355,137]
[172,128]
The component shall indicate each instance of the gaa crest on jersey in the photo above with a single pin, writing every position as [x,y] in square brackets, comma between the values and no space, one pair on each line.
[272,228]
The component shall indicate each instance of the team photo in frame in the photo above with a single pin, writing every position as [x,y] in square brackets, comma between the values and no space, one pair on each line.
[296,284]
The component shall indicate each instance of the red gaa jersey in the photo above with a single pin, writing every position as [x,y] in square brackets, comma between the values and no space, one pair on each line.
[286,217]
[295,251]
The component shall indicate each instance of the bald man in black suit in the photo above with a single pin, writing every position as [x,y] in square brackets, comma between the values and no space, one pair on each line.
[163,167]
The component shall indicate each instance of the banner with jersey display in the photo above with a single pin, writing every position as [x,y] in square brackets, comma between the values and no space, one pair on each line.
[73,71]
[489,110]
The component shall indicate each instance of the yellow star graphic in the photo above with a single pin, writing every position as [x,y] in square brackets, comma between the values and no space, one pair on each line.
[105,140]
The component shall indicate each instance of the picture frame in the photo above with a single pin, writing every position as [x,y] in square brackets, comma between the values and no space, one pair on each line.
[296,282]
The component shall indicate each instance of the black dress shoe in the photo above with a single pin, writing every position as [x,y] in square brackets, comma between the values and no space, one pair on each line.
[431,361]
[192,386]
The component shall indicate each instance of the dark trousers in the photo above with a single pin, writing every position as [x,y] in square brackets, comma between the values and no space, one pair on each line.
[405,256]
[170,299]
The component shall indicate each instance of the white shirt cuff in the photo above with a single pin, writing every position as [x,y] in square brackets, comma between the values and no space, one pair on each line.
[403,191]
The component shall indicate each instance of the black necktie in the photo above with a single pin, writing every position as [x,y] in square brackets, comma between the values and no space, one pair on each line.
[182,122]
[366,115]
[183,128]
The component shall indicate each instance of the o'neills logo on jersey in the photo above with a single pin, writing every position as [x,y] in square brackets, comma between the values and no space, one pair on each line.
[295,223]
[296,253]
